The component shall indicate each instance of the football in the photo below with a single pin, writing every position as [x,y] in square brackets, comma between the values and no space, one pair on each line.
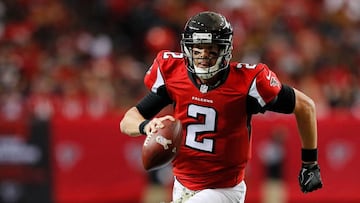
[160,148]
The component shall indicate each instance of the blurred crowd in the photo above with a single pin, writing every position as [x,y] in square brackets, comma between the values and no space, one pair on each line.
[88,57]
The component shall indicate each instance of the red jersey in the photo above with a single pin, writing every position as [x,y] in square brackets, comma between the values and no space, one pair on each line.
[216,124]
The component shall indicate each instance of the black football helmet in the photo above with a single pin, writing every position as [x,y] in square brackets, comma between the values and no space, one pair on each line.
[207,28]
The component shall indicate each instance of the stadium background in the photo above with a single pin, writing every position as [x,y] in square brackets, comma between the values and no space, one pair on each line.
[70,68]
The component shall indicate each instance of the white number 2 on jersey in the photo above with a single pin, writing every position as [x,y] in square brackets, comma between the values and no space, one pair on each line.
[193,130]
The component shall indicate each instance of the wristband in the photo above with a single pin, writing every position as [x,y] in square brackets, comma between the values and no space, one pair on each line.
[309,155]
[142,126]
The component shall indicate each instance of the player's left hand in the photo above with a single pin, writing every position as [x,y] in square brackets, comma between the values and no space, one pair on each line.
[309,177]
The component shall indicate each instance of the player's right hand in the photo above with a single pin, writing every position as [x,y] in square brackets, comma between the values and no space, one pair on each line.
[309,177]
[156,123]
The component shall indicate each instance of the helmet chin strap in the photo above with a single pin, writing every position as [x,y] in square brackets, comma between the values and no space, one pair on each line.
[207,73]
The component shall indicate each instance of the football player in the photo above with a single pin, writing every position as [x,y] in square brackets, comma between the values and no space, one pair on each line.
[215,100]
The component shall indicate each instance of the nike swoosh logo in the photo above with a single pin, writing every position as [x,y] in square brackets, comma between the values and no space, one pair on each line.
[268,76]
[311,174]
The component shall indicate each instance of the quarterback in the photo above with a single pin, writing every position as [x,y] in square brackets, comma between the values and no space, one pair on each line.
[215,99]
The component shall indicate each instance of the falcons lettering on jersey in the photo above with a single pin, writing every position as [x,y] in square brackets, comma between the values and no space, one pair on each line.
[216,136]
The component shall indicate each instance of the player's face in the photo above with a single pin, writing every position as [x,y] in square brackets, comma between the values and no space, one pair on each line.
[205,55]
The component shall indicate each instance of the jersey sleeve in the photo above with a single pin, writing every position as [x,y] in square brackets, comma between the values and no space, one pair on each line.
[154,79]
[265,86]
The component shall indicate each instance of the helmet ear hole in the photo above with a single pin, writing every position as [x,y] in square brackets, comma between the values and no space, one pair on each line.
[207,28]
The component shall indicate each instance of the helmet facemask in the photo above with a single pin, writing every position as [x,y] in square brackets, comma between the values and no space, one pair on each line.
[222,61]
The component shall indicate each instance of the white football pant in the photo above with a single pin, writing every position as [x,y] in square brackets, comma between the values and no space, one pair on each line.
[234,194]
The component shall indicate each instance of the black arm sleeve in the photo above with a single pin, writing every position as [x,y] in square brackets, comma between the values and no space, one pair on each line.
[152,104]
[284,102]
